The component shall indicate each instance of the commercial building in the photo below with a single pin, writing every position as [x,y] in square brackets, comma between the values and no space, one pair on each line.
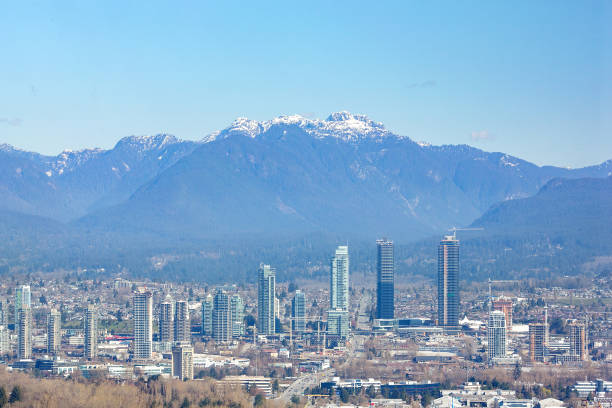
[298,312]
[254,384]
[182,361]
[222,323]
[266,289]
[496,335]
[448,282]
[143,325]
[54,334]
[385,280]
[337,323]
[91,333]
[182,324]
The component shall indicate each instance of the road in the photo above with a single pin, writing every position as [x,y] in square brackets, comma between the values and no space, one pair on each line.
[305,381]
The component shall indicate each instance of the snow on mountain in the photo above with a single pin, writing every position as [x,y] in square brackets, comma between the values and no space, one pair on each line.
[69,160]
[341,125]
[147,143]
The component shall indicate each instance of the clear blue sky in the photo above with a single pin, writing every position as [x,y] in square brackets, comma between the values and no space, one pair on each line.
[533,79]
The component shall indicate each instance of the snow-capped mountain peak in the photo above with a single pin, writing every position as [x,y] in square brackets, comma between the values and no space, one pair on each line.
[145,143]
[341,125]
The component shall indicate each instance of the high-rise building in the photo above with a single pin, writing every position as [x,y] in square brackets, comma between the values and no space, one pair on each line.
[448,282]
[5,345]
[24,332]
[266,295]
[182,361]
[166,323]
[298,311]
[237,315]
[385,283]
[91,333]
[578,340]
[339,279]
[182,325]
[504,304]
[22,298]
[496,335]
[337,323]
[207,312]
[54,335]
[222,323]
[3,313]
[537,342]
[143,325]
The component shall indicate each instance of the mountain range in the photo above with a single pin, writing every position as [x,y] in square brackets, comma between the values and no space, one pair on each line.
[346,177]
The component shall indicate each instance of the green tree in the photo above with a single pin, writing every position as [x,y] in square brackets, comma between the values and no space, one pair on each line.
[516,374]
[259,400]
[3,400]
[344,395]
[186,403]
[15,395]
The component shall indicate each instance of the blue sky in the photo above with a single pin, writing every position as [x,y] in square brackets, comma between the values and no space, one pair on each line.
[533,79]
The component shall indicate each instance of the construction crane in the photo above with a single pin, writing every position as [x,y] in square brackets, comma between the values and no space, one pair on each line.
[455,229]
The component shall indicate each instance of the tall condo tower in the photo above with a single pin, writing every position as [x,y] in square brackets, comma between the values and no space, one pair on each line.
[91,333]
[537,342]
[23,298]
[237,315]
[54,335]
[504,304]
[266,290]
[143,325]
[298,311]
[166,323]
[337,315]
[385,283]
[207,312]
[182,325]
[182,361]
[448,282]
[339,279]
[24,332]
[222,324]
[496,335]
[578,340]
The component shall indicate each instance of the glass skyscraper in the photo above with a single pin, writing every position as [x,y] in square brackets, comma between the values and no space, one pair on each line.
[298,311]
[266,289]
[385,280]
[448,282]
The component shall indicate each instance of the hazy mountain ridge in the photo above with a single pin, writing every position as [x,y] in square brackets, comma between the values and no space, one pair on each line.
[71,184]
[254,190]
